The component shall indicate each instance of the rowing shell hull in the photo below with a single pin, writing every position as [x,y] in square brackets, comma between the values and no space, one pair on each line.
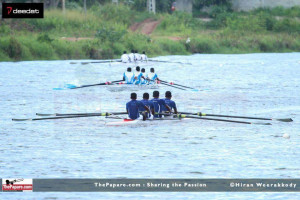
[127,87]
[130,122]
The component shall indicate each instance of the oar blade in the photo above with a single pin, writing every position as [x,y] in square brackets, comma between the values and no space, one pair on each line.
[285,120]
[41,114]
[260,123]
[58,88]
[19,120]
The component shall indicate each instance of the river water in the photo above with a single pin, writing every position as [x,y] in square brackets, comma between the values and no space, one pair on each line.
[263,85]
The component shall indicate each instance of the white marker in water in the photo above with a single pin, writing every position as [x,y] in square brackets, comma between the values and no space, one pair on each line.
[286,136]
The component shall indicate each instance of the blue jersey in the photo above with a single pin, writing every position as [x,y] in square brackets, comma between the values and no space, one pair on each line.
[169,103]
[158,104]
[148,104]
[133,107]
[128,77]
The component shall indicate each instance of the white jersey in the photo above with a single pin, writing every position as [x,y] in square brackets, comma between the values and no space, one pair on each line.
[144,81]
[137,56]
[152,77]
[131,57]
[129,77]
[144,57]
[125,58]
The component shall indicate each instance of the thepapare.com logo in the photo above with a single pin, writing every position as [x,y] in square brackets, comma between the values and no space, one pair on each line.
[22,10]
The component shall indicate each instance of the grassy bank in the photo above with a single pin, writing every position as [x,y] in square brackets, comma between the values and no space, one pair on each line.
[106,33]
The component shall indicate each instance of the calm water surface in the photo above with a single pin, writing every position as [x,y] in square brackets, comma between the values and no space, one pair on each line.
[264,85]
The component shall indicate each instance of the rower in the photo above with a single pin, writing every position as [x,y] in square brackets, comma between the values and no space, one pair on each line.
[169,102]
[144,57]
[147,103]
[128,76]
[158,104]
[137,56]
[131,56]
[152,77]
[137,76]
[125,57]
[133,106]
[144,76]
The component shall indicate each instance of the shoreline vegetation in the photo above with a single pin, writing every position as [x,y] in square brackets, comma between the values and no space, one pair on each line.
[105,32]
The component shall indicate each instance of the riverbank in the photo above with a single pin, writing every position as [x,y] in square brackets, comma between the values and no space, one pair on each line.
[104,32]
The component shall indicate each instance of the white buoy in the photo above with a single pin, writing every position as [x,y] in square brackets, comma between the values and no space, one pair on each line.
[286,136]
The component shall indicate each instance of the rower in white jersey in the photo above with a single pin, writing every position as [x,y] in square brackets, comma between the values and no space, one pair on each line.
[144,57]
[128,76]
[137,56]
[144,77]
[131,57]
[152,77]
[125,58]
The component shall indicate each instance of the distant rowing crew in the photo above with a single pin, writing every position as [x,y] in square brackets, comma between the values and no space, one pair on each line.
[133,57]
[147,107]
[139,77]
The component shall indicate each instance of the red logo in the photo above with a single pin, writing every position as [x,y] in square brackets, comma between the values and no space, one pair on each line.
[9,9]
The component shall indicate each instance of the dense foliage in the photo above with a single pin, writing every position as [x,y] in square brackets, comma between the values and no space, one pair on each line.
[105,32]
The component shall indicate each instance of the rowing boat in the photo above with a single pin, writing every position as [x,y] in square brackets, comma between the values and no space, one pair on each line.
[131,122]
[132,87]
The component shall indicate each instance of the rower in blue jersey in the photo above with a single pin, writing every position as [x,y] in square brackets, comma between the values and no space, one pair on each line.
[133,106]
[147,103]
[152,76]
[169,102]
[144,77]
[128,76]
[158,104]
[137,75]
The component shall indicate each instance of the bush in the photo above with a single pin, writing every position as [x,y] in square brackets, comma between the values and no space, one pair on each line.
[287,25]
[4,56]
[14,49]
[203,45]
[111,34]
[172,47]
[44,38]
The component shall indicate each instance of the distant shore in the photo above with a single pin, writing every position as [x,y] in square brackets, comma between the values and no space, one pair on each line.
[106,31]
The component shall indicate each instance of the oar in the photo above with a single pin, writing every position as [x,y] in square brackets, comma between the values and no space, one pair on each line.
[103,61]
[163,61]
[82,86]
[222,120]
[63,117]
[172,86]
[72,114]
[242,117]
[178,85]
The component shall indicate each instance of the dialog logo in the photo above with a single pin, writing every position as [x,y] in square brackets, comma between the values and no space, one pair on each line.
[17,185]
[22,10]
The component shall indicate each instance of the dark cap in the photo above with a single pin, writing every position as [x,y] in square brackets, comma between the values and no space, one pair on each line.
[133,96]
[168,94]
[132,51]
[146,95]
[152,70]
[138,68]
[144,52]
[129,69]
[143,70]
[124,52]
[156,94]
